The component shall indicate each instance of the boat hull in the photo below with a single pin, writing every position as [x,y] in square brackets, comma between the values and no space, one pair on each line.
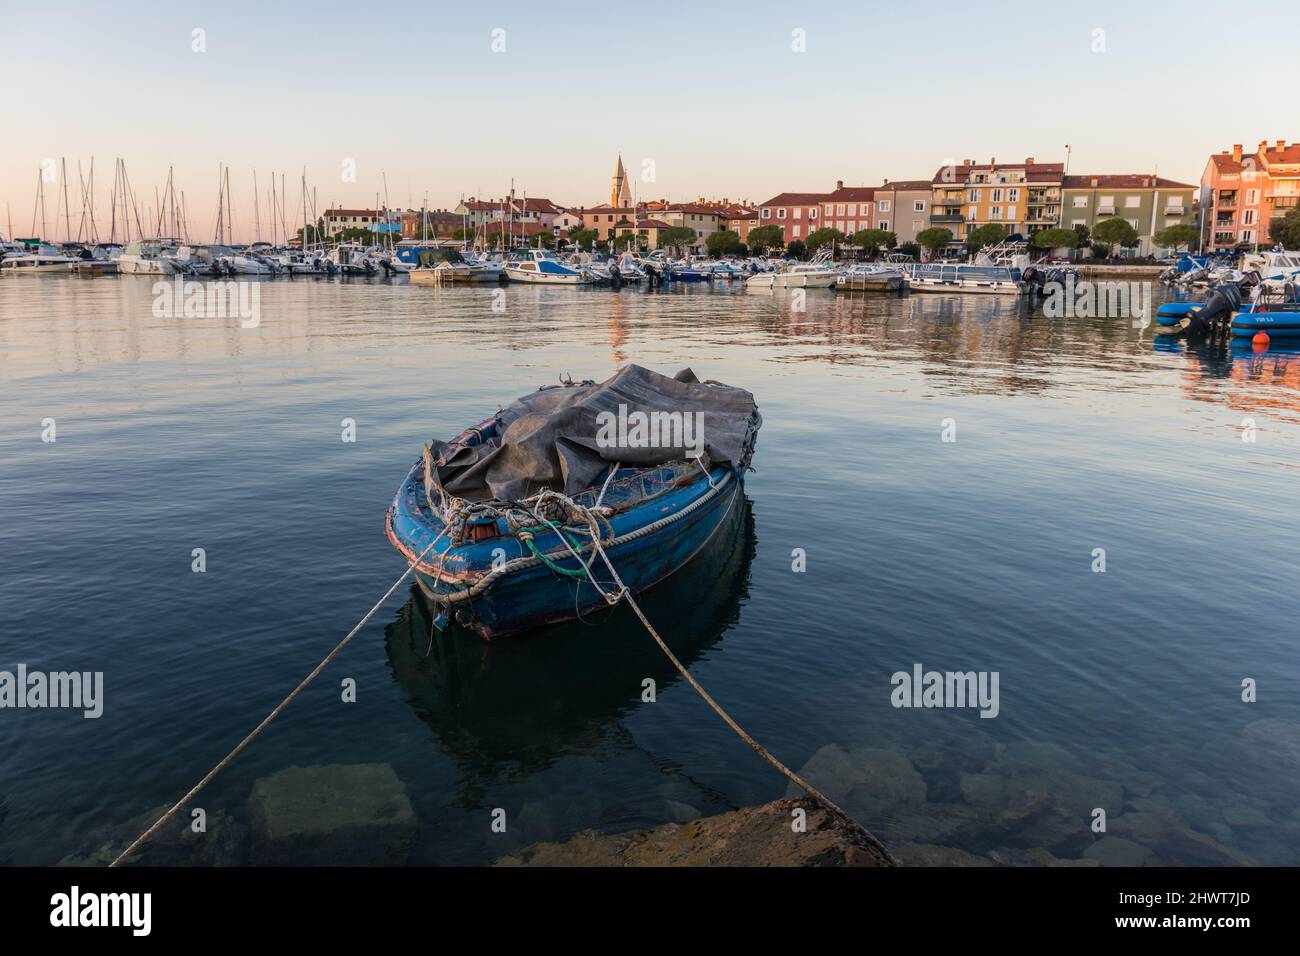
[546,278]
[538,595]
[984,288]
[794,281]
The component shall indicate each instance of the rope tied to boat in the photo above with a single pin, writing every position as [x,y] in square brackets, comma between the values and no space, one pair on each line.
[279,708]
[625,594]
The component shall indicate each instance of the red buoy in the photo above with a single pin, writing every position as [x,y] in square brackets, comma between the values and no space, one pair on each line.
[1260,342]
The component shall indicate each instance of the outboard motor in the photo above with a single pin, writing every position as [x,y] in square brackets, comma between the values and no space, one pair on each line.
[1217,311]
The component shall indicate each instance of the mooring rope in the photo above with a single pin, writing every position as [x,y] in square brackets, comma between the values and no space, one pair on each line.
[621,593]
[207,778]
[624,593]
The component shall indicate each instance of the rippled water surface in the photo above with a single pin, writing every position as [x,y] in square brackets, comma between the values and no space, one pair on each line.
[1119,690]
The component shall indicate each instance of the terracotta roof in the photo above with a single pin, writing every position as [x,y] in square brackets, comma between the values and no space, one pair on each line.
[1034,172]
[690,207]
[349,213]
[851,194]
[903,185]
[1122,181]
[1288,154]
[1224,163]
[795,199]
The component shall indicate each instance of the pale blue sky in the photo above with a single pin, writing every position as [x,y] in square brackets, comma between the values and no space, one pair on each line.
[712,93]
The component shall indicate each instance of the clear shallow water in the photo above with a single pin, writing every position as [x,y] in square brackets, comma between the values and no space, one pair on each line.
[1119,690]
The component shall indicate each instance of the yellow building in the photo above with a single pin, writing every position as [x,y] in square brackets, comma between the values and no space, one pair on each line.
[1022,197]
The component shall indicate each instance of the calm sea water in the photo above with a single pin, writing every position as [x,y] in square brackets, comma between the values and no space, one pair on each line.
[1119,690]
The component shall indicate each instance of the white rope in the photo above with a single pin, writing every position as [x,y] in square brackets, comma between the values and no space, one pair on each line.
[207,778]
[625,593]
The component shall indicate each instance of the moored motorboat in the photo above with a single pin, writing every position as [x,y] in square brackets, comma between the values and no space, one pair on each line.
[958,277]
[523,519]
[542,267]
[41,259]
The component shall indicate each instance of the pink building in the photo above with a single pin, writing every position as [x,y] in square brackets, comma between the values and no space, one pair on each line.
[1241,193]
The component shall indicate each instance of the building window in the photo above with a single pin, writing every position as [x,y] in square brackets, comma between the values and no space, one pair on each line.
[973,195]
[1252,197]
[853,209]
[798,211]
[883,224]
[797,230]
[883,205]
[839,209]
[997,196]
[1132,202]
[995,212]
[767,214]
[780,214]
[1013,195]
[812,213]
[918,206]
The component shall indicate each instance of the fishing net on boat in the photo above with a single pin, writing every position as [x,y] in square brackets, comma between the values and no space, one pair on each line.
[565,437]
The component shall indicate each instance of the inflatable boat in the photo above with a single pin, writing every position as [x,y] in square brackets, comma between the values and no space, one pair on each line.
[1280,322]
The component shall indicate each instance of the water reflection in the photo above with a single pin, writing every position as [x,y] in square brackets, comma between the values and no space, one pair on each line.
[508,709]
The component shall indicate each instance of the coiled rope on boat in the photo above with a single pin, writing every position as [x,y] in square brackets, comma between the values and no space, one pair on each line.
[621,592]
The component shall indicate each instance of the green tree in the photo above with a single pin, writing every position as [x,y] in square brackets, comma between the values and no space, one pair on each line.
[934,238]
[724,242]
[677,238]
[583,237]
[1172,237]
[763,238]
[1056,239]
[986,235]
[1286,230]
[797,249]
[1085,234]
[824,237]
[873,240]
[1115,232]
[910,249]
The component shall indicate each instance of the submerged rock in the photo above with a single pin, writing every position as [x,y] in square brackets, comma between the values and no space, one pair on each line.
[867,783]
[931,854]
[224,842]
[1280,738]
[757,836]
[1116,851]
[353,814]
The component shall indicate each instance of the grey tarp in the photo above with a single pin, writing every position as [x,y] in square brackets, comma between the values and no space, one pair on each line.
[549,439]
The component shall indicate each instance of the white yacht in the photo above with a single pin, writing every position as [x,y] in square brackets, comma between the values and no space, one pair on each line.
[1276,267]
[44,259]
[814,274]
[146,257]
[543,267]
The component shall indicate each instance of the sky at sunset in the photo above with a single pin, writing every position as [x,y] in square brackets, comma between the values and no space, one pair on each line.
[701,99]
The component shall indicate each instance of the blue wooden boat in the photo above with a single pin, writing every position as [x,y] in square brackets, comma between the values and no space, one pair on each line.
[489,566]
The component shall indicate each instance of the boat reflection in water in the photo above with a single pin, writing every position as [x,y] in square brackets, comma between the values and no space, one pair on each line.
[507,709]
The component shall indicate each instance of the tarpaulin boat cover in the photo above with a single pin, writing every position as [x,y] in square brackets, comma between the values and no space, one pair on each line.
[557,437]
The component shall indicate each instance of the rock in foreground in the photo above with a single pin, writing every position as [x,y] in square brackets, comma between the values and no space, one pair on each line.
[755,836]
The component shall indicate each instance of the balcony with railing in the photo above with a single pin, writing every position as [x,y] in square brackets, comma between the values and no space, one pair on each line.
[1175,209]
[1106,209]
[946,217]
